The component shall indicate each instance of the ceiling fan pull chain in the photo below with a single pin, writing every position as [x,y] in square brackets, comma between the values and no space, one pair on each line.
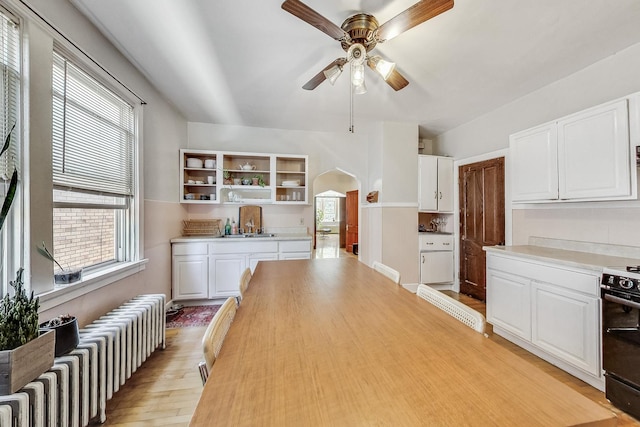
[351,100]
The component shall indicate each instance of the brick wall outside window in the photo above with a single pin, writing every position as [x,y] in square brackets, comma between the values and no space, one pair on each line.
[83,237]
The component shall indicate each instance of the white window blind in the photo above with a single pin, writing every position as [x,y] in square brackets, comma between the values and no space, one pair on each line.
[9,93]
[93,134]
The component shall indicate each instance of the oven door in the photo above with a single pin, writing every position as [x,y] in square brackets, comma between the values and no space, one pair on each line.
[621,336]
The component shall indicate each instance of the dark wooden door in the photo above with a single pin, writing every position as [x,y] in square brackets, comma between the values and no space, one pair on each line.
[352,219]
[481,221]
[343,222]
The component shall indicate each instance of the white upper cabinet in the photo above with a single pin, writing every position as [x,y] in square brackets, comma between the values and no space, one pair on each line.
[435,185]
[534,161]
[593,153]
[587,156]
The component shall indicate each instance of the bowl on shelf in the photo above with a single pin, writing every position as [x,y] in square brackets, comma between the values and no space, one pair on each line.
[210,164]
[189,196]
[291,183]
[194,162]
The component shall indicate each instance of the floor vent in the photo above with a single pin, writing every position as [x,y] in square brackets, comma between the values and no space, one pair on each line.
[456,309]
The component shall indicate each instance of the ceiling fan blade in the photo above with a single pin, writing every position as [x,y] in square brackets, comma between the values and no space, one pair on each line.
[415,15]
[320,77]
[395,79]
[304,12]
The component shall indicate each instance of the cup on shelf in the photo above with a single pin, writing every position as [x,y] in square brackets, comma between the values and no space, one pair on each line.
[212,196]
[210,179]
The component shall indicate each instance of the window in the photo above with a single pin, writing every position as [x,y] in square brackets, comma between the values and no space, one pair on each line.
[94,148]
[9,160]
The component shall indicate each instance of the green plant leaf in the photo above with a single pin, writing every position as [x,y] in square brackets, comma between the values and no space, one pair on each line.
[7,141]
[8,200]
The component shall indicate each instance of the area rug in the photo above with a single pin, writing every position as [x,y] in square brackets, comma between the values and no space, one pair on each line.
[197,315]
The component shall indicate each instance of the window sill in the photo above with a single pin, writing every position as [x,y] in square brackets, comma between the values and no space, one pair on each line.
[89,283]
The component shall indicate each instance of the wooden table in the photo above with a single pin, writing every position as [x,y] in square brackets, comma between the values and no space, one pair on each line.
[332,342]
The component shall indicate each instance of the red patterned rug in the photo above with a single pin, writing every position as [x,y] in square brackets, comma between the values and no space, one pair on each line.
[197,315]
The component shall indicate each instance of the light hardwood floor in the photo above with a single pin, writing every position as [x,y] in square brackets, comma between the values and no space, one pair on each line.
[165,389]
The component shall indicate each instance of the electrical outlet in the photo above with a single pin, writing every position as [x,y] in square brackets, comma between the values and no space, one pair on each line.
[301,221]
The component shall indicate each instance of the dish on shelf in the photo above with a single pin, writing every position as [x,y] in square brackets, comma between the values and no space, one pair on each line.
[189,196]
[291,183]
[210,164]
[199,182]
[194,162]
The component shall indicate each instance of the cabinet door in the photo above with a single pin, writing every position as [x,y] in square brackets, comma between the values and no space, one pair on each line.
[445,185]
[534,164]
[428,183]
[253,259]
[508,302]
[593,153]
[565,324]
[436,267]
[190,275]
[225,273]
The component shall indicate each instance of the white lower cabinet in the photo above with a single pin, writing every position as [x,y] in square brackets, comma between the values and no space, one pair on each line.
[254,258]
[565,324]
[225,274]
[509,302]
[190,276]
[212,269]
[551,310]
[297,249]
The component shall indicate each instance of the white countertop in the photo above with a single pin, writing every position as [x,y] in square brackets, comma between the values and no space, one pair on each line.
[278,237]
[591,256]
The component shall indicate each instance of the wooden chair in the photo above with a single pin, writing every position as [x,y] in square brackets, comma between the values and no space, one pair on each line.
[456,309]
[245,278]
[214,336]
[387,271]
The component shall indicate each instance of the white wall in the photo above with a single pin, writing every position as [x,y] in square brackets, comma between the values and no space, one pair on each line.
[611,78]
[164,133]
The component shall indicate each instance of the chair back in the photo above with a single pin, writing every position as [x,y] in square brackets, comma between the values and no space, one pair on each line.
[387,271]
[215,334]
[456,309]
[245,278]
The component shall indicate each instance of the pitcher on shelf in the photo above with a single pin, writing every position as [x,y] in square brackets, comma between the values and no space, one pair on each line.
[247,167]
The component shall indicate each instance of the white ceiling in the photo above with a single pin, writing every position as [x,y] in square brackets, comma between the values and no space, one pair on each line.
[244,62]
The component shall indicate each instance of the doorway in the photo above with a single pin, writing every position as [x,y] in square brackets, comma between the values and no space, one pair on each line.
[331,191]
[481,193]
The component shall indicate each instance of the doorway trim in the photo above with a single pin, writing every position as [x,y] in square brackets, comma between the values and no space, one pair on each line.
[456,203]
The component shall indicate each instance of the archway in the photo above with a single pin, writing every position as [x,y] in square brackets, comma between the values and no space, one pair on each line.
[330,211]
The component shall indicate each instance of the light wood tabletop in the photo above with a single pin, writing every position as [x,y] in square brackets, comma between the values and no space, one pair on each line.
[332,342]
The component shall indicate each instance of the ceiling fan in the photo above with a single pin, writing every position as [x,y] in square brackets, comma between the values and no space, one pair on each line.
[359,34]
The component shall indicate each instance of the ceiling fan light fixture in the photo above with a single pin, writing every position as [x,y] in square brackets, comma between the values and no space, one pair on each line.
[360,89]
[357,74]
[384,68]
[333,73]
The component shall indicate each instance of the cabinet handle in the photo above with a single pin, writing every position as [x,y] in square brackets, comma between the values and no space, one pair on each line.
[441,195]
[423,259]
[435,194]
[446,244]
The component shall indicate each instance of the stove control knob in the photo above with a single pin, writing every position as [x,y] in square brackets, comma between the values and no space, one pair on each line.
[625,283]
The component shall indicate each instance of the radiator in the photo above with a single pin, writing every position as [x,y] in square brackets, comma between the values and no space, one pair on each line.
[74,392]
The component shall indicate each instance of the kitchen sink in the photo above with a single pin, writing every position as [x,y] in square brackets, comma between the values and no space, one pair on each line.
[249,235]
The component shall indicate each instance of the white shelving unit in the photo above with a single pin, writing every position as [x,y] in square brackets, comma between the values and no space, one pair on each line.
[243,177]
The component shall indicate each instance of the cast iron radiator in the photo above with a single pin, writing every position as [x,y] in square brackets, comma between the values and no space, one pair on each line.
[75,390]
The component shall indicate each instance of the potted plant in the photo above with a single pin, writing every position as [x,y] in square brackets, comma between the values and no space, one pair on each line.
[258,179]
[24,353]
[65,327]
[227,177]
